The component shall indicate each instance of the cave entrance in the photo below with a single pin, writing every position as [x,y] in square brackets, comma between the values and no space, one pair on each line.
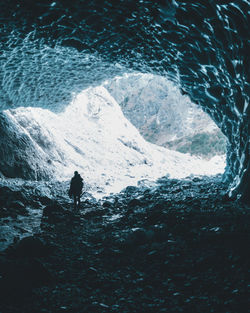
[135,127]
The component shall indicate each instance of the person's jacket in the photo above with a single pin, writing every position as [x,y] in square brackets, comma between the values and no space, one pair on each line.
[76,185]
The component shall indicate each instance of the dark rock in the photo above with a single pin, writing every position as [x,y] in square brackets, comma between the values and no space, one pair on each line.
[158,233]
[107,204]
[19,277]
[17,204]
[17,207]
[4,212]
[196,179]
[54,212]
[95,213]
[4,191]
[7,195]
[90,202]
[161,205]
[137,237]
[95,307]
[45,200]
[13,211]
[133,203]
[154,217]
[163,250]
[35,204]
[92,271]
[31,247]
[130,189]
[14,201]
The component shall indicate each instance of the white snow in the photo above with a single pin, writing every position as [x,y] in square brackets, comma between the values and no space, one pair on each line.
[93,136]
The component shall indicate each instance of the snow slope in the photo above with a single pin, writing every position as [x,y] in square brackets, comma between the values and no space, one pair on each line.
[93,136]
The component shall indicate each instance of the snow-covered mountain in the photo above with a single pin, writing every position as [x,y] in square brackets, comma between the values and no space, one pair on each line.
[92,136]
[164,116]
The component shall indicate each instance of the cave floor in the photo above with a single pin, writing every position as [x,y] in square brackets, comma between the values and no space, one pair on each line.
[178,247]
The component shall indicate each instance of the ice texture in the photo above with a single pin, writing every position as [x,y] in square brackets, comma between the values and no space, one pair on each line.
[50,50]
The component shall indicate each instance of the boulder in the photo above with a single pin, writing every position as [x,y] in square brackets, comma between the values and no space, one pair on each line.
[134,202]
[45,200]
[19,277]
[12,199]
[54,212]
[130,189]
[4,212]
[31,247]
[107,204]
[137,237]
[17,207]
[16,204]
[13,211]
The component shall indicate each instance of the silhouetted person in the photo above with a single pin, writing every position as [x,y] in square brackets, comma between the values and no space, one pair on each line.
[75,190]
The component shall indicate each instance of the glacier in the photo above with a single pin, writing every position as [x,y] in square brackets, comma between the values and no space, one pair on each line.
[50,50]
[119,90]
[93,136]
[166,117]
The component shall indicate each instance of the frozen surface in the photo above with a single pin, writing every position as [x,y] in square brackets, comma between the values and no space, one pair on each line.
[51,50]
[164,116]
[93,136]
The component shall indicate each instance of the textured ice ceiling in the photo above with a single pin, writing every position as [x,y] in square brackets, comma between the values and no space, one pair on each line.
[50,49]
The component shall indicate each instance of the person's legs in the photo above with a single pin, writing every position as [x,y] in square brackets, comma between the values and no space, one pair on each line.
[75,201]
[78,200]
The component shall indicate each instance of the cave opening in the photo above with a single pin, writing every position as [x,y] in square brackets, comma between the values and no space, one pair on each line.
[59,70]
[139,77]
[132,128]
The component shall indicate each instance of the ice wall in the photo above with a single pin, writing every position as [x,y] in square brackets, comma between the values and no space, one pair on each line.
[202,46]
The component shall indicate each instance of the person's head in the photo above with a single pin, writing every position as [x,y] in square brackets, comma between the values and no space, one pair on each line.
[76,173]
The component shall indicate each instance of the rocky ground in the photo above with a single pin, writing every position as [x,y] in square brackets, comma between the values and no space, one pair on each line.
[178,246]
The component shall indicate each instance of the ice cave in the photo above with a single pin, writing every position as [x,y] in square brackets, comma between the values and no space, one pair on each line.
[93,135]
[149,101]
